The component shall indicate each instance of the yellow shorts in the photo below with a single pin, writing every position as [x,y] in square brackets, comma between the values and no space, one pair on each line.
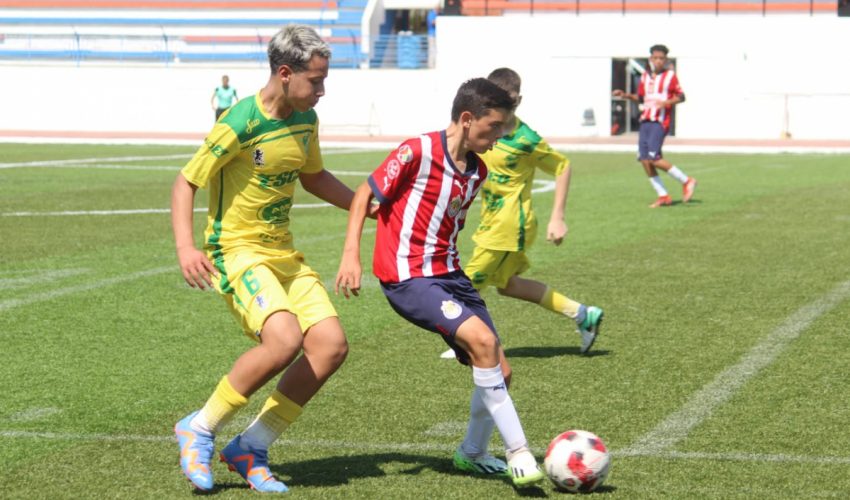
[257,285]
[494,267]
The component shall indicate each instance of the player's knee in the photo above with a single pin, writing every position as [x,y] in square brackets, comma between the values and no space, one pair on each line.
[483,343]
[337,353]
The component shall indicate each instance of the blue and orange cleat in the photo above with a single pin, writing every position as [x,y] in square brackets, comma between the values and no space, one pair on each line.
[196,451]
[253,466]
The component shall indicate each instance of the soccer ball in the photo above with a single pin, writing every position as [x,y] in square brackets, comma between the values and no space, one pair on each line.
[577,461]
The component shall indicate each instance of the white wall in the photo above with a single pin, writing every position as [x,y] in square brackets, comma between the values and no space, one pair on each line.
[736,72]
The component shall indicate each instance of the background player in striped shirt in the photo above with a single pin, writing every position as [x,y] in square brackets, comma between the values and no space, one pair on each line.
[425,188]
[250,163]
[658,91]
[508,224]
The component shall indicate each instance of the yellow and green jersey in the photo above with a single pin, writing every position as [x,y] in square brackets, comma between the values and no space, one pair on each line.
[250,162]
[507,219]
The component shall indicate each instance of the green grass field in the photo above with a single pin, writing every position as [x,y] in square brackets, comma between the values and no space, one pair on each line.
[721,371]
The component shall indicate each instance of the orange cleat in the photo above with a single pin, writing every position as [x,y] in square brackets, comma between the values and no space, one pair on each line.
[662,201]
[688,189]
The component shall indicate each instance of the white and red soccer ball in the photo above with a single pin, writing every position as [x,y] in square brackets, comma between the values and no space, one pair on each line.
[577,461]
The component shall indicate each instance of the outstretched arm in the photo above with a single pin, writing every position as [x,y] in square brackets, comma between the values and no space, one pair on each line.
[557,228]
[326,186]
[350,272]
[196,267]
[625,95]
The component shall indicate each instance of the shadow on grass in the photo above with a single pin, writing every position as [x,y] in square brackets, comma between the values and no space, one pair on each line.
[337,471]
[551,352]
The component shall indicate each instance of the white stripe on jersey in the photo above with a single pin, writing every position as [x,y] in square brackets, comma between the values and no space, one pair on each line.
[437,218]
[467,196]
[410,209]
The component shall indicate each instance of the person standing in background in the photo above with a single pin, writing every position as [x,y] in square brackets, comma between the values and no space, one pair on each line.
[658,92]
[223,97]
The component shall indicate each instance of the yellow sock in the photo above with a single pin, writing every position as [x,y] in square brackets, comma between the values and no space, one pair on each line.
[220,408]
[560,304]
[277,414]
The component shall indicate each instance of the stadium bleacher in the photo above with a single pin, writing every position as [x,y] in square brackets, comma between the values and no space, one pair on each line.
[187,31]
[171,31]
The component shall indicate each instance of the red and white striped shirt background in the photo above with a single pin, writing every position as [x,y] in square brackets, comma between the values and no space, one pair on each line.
[424,201]
[655,88]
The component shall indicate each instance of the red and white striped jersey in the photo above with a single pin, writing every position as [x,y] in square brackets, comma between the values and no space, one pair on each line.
[655,88]
[424,200]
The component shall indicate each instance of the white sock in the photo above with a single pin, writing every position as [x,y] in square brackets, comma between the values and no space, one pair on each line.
[677,174]
[494,394]
[480,429]
[200,423]
[258,436]
[658,185]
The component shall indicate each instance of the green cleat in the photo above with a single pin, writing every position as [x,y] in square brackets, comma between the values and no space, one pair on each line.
[484,464]
[589,327]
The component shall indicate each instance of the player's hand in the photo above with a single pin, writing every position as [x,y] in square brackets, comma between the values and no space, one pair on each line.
[618,93]
[556,231]
[348,277]
[196,268]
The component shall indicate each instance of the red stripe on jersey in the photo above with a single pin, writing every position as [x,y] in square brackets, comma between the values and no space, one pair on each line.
[658,87]
[424,201]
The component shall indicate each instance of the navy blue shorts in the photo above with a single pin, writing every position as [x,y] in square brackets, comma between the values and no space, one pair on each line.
[439,304]
[650,140]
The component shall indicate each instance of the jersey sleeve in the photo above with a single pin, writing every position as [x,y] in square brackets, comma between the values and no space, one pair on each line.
[400,165]
[675,88]
[220,146]
[314,162]
[549,160]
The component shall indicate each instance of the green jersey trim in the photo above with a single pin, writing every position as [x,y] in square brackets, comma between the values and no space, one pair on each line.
[248,121]
[215,240]
[523,138]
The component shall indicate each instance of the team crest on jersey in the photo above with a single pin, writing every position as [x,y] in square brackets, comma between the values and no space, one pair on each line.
[259,157]
[455,206]
[405,154]
[451,309]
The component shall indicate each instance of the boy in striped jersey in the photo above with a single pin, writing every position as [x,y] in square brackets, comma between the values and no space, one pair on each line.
[658,91]
[250,163]
[425,188]
[508,224]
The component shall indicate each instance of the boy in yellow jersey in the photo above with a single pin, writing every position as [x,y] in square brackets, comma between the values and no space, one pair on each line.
[508,225]
[250,163]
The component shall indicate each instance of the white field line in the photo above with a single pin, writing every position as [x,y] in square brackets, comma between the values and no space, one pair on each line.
[545,186]
[27,279]
[59,292]
[85,161]
[76,162]
[422,447]
[701,404]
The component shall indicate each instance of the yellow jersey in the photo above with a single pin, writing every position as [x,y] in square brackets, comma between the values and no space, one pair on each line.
[250,162]
[507,219]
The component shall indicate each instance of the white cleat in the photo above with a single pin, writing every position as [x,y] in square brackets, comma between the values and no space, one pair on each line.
[450,354]
[523,469]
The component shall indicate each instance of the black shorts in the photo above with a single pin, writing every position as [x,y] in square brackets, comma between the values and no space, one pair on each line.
[439,304]
[650,140]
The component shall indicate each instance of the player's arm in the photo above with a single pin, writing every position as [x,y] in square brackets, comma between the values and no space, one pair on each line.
[195,266]
[326,186]
[212,100]
[557,228]
[350,271]
[627,96]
